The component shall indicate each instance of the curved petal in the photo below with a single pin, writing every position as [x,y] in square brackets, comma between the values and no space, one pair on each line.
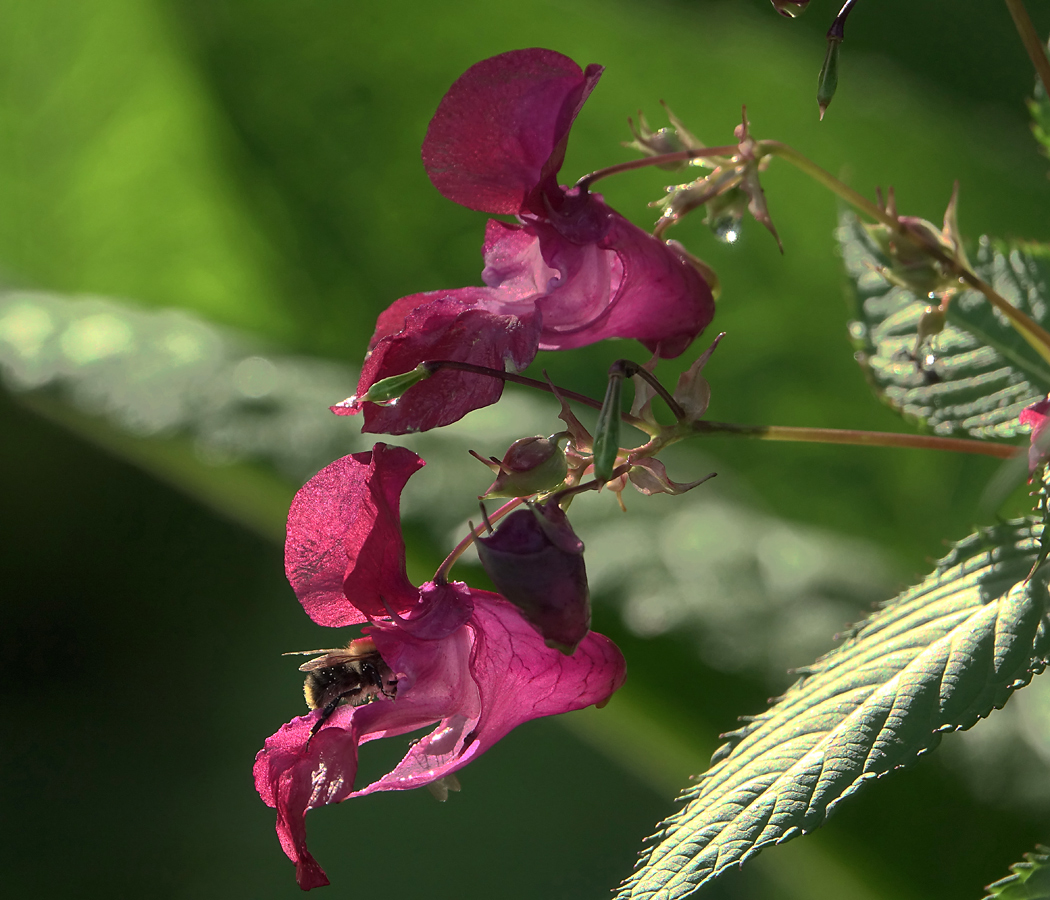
[442,608]
[466,325]
[295,774]
[521,678]
[500,132]
[344,538]
[518,678]
[513,261]
[477,684]
[1035,416]
[627,285]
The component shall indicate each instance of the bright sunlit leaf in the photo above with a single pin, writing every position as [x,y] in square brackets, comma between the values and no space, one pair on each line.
[935,659]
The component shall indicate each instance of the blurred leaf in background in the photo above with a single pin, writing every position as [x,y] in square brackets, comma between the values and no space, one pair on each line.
[244,179]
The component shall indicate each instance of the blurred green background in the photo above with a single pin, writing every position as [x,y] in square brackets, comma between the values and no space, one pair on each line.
[257,165]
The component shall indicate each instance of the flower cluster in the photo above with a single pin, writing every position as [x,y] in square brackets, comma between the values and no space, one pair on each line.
[569,272]
[470,664]
[465,661]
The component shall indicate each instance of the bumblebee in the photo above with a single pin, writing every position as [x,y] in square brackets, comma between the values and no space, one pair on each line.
[355,674]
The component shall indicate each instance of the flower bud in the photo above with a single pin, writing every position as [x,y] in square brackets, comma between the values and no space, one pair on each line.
[607,431]
[389,389]
[912,266]
[530,466]
[828,79]
[535,560]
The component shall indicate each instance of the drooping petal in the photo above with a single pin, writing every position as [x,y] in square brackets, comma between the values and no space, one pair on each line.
[521,678]
[466,325]
[344,538]
[626,285]
[518,678]
[475,684]
[499,135]
[294,774]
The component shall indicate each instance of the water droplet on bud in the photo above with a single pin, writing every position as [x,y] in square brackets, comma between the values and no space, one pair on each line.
[727,228]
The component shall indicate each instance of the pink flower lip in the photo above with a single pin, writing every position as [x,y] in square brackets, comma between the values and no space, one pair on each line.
[466,662]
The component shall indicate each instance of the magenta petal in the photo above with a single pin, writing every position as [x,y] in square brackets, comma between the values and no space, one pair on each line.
[467,325]
[521,678]
[442,608]
[501,130]
[518,678]
[628,285]
[295,774]
[1035,416]
[344,538]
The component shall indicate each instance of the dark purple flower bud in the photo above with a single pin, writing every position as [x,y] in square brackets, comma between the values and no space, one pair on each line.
[535,560]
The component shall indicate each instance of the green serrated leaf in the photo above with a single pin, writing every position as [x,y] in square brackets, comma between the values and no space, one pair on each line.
[976,375]
[1030,879]
[936,659]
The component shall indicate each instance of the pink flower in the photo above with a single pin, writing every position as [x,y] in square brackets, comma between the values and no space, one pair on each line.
[569,272]
[464,660]
[1036,417]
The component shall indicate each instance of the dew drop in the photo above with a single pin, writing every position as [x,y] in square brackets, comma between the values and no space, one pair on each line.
[727,228]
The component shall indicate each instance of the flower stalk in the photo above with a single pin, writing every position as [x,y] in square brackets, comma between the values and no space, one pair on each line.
[441,575]
[1031,40]
[858,438]
[661,159]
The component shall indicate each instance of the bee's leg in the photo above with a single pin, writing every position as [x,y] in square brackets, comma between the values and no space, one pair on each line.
[325,715]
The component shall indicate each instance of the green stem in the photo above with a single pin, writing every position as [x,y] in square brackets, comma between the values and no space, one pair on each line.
[678,156]
[1033,333]
[630,369]
[1031,40]
[805,164]
[435,365]
[858,438]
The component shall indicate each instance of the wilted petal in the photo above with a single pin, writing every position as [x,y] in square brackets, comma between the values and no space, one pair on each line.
[499,134]
[650,477]
[466,325]
[693,392]
[344,538]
